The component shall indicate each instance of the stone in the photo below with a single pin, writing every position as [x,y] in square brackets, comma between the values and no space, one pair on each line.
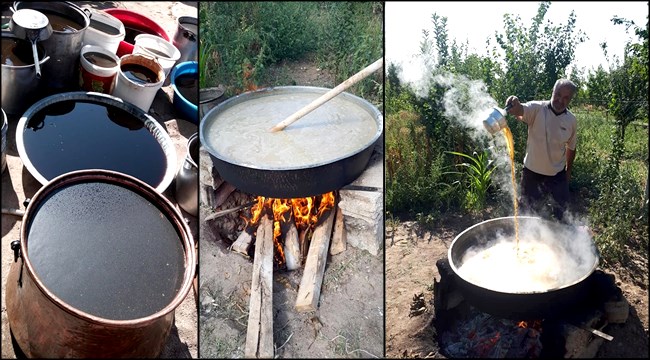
[364,210]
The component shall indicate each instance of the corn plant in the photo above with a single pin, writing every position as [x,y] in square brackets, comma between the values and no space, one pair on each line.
[476,176]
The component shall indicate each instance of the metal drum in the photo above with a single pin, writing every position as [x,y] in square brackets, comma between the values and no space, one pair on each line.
[102,262]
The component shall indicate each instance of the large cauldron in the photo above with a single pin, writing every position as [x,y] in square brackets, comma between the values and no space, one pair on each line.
[44,325]
[522,305]
[295,181]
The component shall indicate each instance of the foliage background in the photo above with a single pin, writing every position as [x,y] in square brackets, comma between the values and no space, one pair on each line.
[240,41]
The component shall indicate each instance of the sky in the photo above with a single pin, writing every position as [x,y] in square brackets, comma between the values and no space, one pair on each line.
[475,21]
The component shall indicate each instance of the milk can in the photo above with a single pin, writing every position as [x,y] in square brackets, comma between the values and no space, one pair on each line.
[187,179]
[186,39]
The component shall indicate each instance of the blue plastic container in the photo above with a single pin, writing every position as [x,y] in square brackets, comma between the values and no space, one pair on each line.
[182,74]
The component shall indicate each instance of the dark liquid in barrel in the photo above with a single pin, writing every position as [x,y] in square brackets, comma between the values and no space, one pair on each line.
[16,52]
[106,250]
[188,86]
[139,74]
[130,34]
[105,28]
[99,59]
[74,135]
[61,23]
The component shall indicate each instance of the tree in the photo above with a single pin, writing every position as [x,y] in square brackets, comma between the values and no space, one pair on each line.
[537,56]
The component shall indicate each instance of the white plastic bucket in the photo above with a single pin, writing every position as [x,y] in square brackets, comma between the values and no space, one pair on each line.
[165,52]
[94,77]
[105,30]
[140,94]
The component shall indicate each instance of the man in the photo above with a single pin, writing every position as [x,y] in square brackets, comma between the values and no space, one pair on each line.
[550,149]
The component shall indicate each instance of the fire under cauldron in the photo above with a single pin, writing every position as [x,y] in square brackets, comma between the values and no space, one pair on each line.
[568,241]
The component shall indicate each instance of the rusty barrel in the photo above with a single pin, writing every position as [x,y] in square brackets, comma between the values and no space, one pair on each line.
[102,262]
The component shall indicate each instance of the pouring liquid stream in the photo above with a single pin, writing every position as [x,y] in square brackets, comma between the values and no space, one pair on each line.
[511,152]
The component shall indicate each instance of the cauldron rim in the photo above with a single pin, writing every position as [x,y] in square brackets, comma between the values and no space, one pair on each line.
[454,268]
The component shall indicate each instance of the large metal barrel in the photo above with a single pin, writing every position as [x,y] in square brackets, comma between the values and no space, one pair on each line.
[102,262]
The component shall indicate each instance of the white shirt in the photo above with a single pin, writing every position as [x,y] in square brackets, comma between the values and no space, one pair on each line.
[548,137]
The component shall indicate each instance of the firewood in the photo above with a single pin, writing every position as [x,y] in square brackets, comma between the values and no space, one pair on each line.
[242,243]
[292,248]
[339,239]
[312,278]
[304,245]
[259,336]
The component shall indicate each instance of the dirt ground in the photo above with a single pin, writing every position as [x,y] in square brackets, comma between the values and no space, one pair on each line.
[349,322]
[411,256]
[18,184]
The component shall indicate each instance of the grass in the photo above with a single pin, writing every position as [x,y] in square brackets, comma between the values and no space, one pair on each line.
[347,345]
[337,274]
[222,306]
[217,347]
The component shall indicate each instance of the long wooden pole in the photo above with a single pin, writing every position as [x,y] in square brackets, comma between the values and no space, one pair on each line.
[329,95]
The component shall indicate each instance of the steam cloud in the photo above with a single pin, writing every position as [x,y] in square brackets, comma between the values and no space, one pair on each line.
[465,102]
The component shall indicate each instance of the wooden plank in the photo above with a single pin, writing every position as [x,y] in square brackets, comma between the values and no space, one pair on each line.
[259,336]
[312,278]
[339,238]
[292,248]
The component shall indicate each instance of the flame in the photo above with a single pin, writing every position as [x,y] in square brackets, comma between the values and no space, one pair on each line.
[536,324]
[326,203]
[305,211]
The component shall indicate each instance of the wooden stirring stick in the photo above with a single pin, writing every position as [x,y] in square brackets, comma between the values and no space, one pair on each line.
[329,95]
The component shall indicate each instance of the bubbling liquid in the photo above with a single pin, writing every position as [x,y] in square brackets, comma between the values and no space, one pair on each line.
[527,267]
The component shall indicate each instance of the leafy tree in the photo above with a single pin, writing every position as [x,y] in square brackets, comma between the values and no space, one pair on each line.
[537,56]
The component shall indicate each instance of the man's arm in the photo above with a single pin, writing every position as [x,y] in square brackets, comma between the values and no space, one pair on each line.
[570,155]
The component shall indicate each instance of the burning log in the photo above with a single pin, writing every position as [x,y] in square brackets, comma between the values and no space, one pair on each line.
[259,337]
[304,244]
[339,239]
[312,279]
[292,248]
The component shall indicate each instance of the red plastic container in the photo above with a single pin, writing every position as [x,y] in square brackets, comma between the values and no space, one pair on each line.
[135,24]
